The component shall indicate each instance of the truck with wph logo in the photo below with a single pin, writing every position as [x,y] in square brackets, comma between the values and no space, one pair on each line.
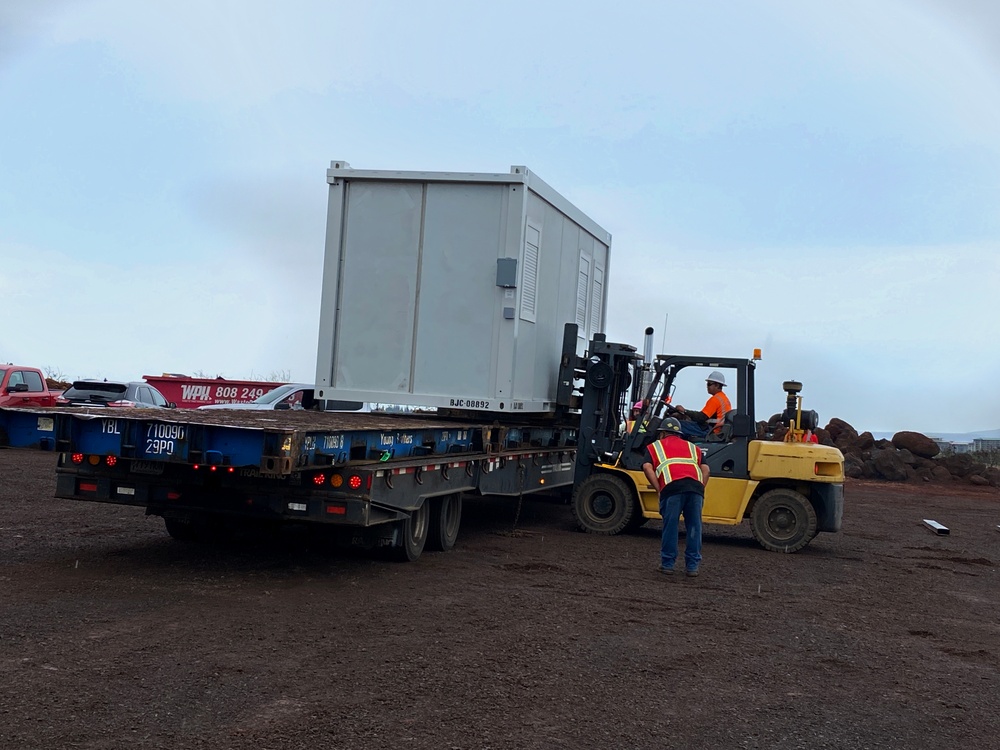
[480,297]
[192,392]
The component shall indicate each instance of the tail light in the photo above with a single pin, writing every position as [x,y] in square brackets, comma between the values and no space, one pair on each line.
[126,404]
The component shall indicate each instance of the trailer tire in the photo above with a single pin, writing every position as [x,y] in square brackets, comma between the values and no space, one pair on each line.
[603,504]
[446,517]
[783,520]
[181,530]
[412,535]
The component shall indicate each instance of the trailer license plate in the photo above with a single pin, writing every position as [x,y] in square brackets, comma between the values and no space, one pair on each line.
[147,467]
[126,491]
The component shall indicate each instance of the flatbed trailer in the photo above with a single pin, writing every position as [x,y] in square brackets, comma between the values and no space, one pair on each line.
[384,480]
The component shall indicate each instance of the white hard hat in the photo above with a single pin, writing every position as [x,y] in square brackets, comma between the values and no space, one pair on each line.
[716,377]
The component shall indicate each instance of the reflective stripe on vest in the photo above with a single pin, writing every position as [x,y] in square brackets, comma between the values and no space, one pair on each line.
[675,459]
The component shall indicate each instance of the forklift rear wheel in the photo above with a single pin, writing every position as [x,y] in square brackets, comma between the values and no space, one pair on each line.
[783,520]
[603,504]
[446,517]
[413,535]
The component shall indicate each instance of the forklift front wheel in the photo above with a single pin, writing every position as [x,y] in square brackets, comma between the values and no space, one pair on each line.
[603,504]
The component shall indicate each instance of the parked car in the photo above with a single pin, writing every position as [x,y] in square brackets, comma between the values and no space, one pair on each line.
[113,393]
[292,396]
[287,396]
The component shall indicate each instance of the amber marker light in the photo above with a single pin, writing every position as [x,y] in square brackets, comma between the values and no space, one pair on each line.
[336,480]
[93,460]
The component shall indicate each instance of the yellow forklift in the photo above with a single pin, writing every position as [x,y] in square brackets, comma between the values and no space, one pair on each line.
[789,490]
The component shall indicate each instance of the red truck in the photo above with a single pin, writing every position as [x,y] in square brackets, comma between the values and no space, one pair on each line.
[24,386]
[190,393]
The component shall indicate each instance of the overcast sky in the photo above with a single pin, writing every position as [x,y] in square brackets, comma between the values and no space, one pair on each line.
[821,180]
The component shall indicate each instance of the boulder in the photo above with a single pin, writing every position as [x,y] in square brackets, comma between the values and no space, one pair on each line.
[978,480]
[992,475]
[838,427]
[940,474]
[917,443]
[906,457]
[865,441]
[889,466]
[962,465]
[854,467]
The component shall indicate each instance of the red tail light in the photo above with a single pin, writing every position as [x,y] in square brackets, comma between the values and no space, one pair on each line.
[111,460]
[127,404]
[354,482]
[77,458]
[319,480]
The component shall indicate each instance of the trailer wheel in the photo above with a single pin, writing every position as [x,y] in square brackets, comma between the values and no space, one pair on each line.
[783,520]
[446,517]
[181,530]
[603,504]
[413,535]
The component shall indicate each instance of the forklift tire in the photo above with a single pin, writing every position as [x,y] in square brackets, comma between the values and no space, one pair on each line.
[446,517]
[783,520]
[603,504]
[412,535]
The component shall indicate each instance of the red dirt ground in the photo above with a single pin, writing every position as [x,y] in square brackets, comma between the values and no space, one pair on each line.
[114,636]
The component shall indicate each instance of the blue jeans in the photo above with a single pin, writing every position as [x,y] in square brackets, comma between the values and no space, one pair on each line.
[693,430]
[688,503]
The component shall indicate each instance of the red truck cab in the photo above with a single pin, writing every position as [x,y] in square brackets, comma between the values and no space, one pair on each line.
[24,386]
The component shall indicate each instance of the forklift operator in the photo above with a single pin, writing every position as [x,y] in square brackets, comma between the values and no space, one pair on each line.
[713,413]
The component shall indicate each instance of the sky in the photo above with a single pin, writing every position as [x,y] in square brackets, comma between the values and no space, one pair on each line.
[820,180]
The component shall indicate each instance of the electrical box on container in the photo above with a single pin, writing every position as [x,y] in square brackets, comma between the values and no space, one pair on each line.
[453,289]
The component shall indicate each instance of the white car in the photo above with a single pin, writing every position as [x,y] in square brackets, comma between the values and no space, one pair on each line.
[290,396]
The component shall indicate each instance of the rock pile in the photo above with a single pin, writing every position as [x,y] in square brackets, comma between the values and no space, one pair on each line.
[908,457]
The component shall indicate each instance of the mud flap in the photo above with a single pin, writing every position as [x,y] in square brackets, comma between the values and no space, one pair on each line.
[828,500]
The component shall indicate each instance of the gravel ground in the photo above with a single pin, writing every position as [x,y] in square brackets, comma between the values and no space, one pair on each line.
[536,636]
